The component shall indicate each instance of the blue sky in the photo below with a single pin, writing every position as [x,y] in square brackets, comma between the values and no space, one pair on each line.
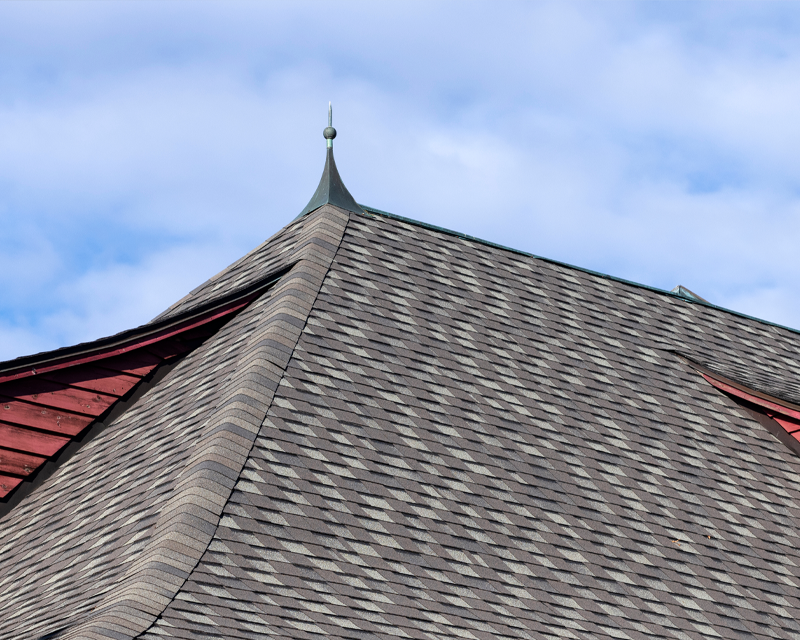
[146,145]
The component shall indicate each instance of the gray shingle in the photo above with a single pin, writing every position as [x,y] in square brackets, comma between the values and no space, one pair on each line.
[454,440]
[473,443]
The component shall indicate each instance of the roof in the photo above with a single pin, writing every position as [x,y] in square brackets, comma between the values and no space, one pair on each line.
[51,402]
[416,434]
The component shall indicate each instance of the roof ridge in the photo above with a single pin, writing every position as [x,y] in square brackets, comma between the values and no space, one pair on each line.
[489,243]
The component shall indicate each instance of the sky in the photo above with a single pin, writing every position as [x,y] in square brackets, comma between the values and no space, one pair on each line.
[144,146]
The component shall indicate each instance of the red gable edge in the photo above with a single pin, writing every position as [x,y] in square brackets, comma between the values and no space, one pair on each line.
[129,345]
[49,400]
[780,417]
[785,414]
[772,406]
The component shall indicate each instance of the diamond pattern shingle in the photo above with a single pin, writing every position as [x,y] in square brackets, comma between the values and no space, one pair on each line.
[451,441]
[473,443]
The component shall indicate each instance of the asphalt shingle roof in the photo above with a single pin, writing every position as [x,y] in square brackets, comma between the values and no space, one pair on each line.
[419,435]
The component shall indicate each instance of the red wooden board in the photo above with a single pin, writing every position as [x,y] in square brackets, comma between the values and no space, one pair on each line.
[141,372]
[20,464]
[8,484]
[94,379]
[43,444]
[51,394]
[47,418]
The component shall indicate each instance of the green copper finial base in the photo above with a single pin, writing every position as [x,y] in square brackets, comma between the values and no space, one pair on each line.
[331,189]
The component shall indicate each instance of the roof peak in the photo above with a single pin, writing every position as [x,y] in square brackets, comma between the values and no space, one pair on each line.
[331,189]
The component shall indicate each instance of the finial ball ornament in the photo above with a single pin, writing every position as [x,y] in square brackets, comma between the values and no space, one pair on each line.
[329,133]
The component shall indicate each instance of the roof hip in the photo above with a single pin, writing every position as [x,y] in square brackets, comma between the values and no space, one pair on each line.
[229,384]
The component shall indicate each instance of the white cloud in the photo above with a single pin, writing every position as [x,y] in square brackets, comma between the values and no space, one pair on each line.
[145,145]
[111,299]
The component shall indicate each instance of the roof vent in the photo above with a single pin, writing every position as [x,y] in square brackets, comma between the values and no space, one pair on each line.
[683,292]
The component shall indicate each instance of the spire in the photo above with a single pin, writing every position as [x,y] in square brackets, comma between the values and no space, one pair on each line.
[331,189]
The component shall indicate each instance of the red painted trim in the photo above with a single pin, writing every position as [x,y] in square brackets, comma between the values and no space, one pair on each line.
[8,484]
[761,402]
[792,426]
[41,444]
[19,464]
[133,344]
[25,414]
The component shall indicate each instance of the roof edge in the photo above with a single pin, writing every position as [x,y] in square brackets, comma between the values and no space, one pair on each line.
[489,243]
[763,407]
[131,338]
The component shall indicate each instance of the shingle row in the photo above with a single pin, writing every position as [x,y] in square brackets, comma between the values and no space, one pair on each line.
[472,443]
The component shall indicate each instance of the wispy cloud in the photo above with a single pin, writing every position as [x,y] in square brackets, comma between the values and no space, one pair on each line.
[143,146]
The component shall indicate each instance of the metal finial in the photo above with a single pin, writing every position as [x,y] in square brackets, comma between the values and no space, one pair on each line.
[331,189]
[330,132]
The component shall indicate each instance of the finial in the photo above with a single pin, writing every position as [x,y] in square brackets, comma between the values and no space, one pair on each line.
[331,189]
[330,132]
